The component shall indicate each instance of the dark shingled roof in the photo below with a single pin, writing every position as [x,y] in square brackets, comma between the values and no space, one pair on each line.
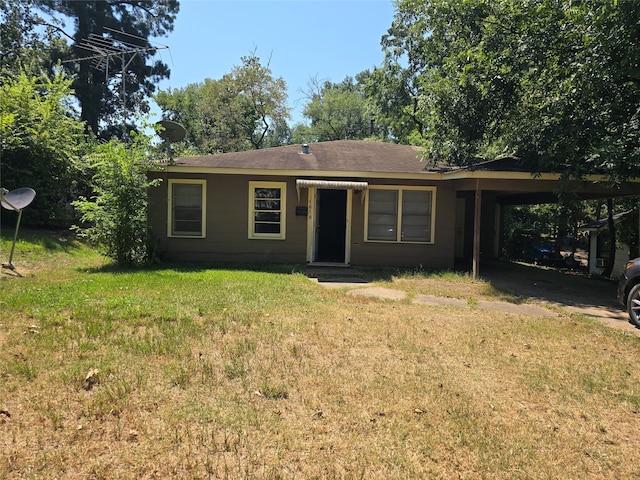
[504,164]
[339,155]
[604,222]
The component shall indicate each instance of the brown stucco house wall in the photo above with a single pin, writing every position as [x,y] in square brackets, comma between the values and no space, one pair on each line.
[331,208]
[343,202]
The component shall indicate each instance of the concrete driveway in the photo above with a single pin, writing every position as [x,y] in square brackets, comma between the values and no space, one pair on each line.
[592,297]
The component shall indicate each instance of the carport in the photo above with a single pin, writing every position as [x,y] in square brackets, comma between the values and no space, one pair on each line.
[482,192]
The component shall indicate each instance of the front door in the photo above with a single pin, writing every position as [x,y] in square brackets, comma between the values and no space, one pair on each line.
[331,226]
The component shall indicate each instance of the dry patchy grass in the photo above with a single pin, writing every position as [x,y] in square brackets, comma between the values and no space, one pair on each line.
[220,373]
[450,285]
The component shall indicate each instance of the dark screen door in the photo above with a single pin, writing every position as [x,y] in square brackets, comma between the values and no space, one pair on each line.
[332,225]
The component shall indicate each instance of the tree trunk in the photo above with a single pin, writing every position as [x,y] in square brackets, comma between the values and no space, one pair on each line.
[612,239]
[90,84]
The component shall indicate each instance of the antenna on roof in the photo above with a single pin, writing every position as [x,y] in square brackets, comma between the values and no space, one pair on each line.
[16,200]
[170,132]
[103,49]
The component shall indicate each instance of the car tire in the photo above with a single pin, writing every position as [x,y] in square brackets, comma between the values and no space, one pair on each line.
[633,305]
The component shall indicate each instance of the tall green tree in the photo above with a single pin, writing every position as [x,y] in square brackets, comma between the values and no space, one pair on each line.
[244,110]
[279,133]
[120,22]
[337,111]
[40,143]
[392,93]
[26,43]
[555,83]
[181,105]
[261,99]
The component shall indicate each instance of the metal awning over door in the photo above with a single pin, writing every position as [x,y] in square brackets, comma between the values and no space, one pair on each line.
[330,185]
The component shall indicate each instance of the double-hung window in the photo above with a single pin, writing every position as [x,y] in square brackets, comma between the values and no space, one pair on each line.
[400,214]
[267,210]
[187,208]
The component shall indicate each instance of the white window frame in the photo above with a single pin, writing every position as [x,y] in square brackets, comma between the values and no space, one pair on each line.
[400,190]
[283,210]
[203,219]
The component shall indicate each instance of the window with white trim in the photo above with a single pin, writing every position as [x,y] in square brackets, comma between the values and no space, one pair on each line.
[267,210]
[400,214]
[187,208]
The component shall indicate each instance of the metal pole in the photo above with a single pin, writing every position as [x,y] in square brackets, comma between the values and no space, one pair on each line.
[13,246]
[476,231]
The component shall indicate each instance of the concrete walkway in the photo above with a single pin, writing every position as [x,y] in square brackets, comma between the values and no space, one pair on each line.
[358,287]
[539,302]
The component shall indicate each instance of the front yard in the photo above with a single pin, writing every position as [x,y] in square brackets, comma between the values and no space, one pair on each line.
[184,372]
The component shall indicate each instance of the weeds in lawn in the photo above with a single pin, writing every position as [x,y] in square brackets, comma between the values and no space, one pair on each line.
[23,368]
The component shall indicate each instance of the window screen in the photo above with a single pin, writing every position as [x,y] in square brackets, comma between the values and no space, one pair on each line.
[186,204]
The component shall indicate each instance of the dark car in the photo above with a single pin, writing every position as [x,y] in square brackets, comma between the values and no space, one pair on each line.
[629,290]
[541,252]
[528,247]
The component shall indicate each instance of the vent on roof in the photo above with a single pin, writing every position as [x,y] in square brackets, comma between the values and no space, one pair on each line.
[305,148]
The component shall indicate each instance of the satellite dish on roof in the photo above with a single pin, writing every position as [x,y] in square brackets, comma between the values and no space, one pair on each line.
[171,131]
[16,200]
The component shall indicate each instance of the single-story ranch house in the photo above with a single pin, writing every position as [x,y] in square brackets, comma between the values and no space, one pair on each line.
[346,202]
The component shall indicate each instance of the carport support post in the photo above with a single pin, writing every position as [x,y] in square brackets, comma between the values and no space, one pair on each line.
[476,231]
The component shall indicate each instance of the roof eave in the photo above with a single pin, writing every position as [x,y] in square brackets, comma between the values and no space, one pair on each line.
[482,174]
[508,175]
[422,175]
[301,173]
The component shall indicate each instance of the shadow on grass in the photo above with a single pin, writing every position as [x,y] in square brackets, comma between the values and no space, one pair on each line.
[52,241]
[513,281]
[198,267]
[568,287]
[365,274]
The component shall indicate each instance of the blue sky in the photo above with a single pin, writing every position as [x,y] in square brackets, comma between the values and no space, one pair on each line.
[301,39]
